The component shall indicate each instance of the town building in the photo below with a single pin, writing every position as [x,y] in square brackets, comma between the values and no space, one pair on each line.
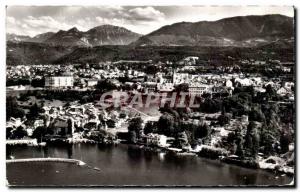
[155,140]
[63,81]
[38,123]
[91,82]
[198,89]
[62,128]
[150,87]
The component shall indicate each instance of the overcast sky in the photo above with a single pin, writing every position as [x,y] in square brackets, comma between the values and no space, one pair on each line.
[33,20]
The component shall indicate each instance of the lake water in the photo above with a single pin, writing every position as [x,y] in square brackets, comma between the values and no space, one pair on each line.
[128,165]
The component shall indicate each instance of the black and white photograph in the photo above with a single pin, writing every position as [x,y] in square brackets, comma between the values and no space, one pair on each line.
[150,96]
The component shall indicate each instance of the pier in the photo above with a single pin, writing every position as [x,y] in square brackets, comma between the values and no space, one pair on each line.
[63,160]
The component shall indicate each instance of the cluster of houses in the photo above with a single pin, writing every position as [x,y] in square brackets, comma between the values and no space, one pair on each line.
[78,121]
[34,71]
[212,83]
[70,76]
[65,120]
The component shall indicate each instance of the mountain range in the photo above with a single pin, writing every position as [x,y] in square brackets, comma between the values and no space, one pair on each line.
[171,42]
[235,31]
[101,35]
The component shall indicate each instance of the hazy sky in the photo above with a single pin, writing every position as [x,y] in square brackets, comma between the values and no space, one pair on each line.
[33,20]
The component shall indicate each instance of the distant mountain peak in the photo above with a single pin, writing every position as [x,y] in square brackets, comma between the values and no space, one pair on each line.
[108,27]
[73,29]
[110,35]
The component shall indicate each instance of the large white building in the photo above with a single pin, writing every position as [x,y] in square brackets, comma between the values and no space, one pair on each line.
[59,81]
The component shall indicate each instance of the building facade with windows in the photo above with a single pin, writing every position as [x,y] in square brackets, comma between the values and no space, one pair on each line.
[198,89]
[59,81]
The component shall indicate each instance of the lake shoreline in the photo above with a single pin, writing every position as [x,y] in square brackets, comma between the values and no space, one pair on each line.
[98,160]
[250,164]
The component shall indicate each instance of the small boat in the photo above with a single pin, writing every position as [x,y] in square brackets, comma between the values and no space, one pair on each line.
[97,169]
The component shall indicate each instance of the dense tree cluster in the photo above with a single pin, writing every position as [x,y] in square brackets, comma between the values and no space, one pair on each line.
[18,133]
[105,86]
[135,129]
[268,131]
[13,109]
